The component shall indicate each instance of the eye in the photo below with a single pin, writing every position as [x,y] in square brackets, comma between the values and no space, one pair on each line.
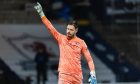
[67,28]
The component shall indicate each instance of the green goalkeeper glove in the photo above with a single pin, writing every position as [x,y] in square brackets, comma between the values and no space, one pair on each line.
[38,7]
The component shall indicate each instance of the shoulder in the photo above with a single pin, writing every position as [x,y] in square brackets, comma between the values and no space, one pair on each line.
[80,40]
[63,36]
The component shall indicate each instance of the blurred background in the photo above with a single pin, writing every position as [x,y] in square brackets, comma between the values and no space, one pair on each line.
[111,29]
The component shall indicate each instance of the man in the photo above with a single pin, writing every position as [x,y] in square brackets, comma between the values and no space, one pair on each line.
[41,59]
[71,48]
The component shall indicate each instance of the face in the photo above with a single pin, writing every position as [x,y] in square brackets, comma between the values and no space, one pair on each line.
[71,31]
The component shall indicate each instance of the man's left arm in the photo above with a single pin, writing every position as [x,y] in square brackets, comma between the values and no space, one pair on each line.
[90,62]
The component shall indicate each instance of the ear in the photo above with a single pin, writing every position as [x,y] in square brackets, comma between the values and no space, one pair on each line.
[76,30]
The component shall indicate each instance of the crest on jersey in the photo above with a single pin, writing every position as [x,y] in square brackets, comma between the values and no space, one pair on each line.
[76,44]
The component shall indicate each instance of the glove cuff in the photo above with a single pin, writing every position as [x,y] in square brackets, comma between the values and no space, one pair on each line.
[41,14]
[92,73]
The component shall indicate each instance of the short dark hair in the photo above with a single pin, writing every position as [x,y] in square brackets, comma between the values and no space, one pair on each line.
[74,23]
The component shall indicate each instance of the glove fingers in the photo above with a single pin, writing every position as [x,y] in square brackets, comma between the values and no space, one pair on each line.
[38,4]
[90,80]
[35,7]
[38,7]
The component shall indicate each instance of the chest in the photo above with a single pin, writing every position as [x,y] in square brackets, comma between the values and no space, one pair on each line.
[72,45]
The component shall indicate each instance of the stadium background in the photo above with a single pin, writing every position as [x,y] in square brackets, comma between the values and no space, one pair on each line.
[110,28]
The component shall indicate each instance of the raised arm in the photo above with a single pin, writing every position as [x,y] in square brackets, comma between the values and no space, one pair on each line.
[47,23]
[88,57]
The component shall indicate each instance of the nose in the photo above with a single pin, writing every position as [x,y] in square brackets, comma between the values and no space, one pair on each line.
[68,31]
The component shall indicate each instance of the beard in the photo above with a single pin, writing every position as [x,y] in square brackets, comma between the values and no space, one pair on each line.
[70,35]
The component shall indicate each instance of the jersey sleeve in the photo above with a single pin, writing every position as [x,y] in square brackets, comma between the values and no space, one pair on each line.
[51,29]
[88,57]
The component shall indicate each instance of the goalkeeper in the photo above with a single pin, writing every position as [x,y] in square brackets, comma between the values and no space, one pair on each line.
[71,48]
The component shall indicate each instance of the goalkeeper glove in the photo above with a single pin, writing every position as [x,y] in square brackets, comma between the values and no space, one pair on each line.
[38,7]
[92,78]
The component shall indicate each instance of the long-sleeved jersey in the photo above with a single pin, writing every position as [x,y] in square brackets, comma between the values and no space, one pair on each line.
[70,51]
